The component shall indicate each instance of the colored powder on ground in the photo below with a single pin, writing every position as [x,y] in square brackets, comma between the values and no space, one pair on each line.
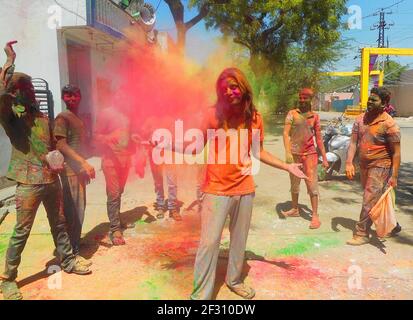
[305,245]
[152,289]
[157,284]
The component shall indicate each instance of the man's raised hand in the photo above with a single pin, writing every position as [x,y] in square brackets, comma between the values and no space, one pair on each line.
[8,49]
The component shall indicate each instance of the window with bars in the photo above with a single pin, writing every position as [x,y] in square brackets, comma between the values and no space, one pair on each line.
[44,96]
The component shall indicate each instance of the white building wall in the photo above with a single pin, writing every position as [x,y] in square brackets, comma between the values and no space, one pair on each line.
[34,25]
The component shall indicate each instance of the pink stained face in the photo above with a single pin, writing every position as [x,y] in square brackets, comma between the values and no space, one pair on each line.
[72,100]
[231,91]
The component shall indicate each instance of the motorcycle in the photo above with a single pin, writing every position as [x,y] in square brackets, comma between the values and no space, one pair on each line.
[336,139]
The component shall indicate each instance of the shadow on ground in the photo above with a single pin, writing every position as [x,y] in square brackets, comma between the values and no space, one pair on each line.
[305,211]
[249,256]
[350,224]
[40,275]
[404,191]
[94,238]
[404,239]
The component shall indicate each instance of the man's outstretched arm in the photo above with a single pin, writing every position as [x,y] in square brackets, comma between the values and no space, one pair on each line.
[5,75]
[7,71]
[273,161]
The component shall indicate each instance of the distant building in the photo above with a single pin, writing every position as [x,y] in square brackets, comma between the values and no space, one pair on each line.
[402,95]
[337,101]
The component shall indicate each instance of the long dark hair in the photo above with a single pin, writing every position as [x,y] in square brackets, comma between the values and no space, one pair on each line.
[247,96]
[27,96]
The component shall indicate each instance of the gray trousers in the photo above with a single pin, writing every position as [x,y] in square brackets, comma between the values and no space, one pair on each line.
[116,178]
[74,201]
[215,210]
[28,199]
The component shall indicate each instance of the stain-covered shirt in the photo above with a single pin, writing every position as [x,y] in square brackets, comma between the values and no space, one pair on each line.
[303,129]
[68,125]
[31,141]
[374,140]
[112,123]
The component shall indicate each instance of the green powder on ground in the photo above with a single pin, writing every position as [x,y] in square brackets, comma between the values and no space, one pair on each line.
[307,244]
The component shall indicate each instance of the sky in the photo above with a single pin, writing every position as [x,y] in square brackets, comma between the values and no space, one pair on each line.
[201,42]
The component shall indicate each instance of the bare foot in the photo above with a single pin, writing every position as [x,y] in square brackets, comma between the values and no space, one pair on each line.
[315,223]
[294,212]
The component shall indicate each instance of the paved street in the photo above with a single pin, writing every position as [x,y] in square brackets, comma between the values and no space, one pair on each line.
[285,259]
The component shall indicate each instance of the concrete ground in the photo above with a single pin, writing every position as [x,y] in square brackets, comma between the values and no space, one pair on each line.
[284,260]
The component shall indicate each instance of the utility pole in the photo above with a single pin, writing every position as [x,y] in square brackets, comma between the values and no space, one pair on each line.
[382,26]
[388,57]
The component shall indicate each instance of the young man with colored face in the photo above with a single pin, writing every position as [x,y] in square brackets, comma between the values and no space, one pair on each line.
[113,137]
[376,137]
[161,206]
[70,133]
[31,138]
[301,126]
[229,187]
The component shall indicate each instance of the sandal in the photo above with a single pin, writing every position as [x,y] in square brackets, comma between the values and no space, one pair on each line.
[293,213]
[174,214]
[160,214]
[243,291]
[117,240]
[10,290]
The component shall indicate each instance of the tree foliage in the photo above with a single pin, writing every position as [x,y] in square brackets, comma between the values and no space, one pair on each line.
[269,28]
[289,42]
[392,72]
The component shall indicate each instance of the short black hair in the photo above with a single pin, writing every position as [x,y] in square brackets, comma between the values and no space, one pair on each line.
[70,88]
[383,93]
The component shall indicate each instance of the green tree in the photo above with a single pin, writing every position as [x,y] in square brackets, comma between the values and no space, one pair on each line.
[269,28]
[392,72]
[289,42]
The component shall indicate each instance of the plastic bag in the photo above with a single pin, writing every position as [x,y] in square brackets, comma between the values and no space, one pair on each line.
[56,160]
[383,214]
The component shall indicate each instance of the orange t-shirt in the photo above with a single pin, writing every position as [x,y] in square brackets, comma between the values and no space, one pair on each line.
[303,129]
[374,140]
[228,178]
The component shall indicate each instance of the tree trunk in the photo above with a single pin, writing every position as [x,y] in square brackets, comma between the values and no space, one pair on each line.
[181,38]
[178,11]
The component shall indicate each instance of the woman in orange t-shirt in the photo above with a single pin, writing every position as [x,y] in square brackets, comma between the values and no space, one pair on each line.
[229,186]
